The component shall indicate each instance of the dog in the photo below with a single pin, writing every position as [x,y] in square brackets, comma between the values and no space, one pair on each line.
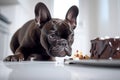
[44,38]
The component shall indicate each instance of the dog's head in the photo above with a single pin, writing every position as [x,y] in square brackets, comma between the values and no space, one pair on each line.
[57,35]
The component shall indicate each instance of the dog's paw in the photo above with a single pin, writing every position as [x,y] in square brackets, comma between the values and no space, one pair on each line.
[12,58]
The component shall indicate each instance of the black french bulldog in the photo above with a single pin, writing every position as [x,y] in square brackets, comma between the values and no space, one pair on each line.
[44,38]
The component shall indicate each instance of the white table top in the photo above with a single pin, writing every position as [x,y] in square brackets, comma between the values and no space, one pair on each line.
[55,71]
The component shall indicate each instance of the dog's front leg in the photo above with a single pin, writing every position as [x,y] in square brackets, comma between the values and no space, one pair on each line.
[18,56]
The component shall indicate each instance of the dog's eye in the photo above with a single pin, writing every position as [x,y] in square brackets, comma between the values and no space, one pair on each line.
[52,36]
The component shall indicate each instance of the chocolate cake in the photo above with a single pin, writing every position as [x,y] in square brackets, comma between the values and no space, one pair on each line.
[105,48]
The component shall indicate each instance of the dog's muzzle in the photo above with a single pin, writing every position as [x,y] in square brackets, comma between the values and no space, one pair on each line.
[61,49]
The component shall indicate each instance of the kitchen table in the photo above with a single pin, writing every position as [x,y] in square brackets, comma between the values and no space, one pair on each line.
[47,70]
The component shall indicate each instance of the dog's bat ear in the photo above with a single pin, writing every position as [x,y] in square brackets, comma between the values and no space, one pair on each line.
[42,14]
[72,15]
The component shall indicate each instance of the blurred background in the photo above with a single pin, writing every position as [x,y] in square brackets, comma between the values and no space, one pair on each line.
[97,18]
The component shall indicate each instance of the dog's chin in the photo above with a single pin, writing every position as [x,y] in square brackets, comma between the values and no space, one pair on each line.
[61,52]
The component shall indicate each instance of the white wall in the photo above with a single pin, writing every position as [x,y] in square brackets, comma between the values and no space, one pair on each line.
[111,25]
[104,18]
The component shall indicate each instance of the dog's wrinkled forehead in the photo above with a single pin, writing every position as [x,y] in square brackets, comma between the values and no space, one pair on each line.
[58,25]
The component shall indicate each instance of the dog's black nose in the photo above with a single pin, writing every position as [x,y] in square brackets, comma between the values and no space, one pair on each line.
[62,42]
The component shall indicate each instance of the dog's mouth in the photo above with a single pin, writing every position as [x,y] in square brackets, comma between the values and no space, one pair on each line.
[60,51]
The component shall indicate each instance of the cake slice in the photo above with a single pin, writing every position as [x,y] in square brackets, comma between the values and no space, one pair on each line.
[105,48]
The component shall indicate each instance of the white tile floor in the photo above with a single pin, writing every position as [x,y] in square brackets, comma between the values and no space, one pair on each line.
[55,71]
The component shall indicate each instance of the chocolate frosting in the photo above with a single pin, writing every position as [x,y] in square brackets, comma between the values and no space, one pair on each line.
[105,48]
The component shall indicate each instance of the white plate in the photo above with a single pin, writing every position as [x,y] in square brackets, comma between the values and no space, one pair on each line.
[103,63]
